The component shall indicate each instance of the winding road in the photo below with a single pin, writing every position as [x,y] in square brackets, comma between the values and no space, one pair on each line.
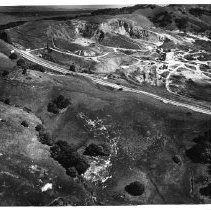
[57,68]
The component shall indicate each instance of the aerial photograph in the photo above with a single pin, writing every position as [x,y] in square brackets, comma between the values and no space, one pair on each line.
[105,105]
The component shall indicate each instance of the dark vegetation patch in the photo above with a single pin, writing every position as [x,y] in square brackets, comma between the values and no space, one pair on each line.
[206,191]
[181,23]
[201,153]
[198,12]
[58,103]
[68,157]
[72,67]
[65,154]
[135,188]
[5,37]
[25,124]
[97,150]
[5,73]
[29,65]
[177,159]
[21,63]
[162,19]
[13,56]
[44,136]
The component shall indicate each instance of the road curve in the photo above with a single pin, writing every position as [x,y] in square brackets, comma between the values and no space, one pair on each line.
[57,68]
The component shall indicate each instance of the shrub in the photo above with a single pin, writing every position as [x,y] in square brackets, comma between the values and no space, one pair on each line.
[72,67]
[68,157]
[24,71]
[181,23]
[25,124]
[201,152]
[97,150]
[7,101]
[45,138]
[177,159]
[13,56]
[21,62]
[37,67]
[39,127]
[52,108]
[71,172]
[206,191]
[163,19]
[5,73]
[61,102]
[58,103]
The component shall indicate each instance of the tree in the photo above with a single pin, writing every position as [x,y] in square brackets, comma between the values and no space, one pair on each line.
[21,63]
[45,138]
[72,67]
[13,56]
[66,155]
[52,108]
[61,102]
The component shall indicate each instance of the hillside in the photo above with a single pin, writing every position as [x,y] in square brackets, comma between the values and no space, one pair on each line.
[107,108]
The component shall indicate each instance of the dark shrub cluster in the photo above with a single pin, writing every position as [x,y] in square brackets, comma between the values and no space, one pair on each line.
[177,159]
[53,108]
[61,102]
[201,151]
[206,191]
[162,19]
[72,67]
[44,137]
[181,23]
[58,103]
[25,124]
[68,157]
[135,188]
[4,36]
[21,63]
[7,101]
[97,150]
[36,67]
[71,172]
[196,12]
[5,73]
[13,56]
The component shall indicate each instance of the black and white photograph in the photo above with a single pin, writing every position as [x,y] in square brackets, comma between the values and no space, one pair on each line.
[105,104]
